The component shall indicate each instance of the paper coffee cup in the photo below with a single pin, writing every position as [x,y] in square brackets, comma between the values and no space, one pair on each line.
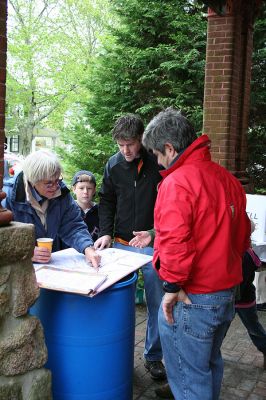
[45,242]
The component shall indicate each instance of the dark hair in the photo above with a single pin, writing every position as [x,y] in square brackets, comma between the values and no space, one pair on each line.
[169,126]
[129,126]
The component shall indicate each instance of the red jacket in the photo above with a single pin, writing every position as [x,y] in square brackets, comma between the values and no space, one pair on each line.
[202,228]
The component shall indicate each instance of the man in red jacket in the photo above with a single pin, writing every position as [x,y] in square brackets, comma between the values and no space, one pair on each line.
[202,231]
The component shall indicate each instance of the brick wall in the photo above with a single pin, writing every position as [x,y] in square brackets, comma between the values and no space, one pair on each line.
[227,84]
[3,48]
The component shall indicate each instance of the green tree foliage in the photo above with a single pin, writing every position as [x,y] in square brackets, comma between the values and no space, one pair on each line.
[85,150]
[50,44]
[152,58]
[257,126]
[155,60]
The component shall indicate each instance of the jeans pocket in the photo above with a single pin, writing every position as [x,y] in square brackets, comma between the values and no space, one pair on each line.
[200,321]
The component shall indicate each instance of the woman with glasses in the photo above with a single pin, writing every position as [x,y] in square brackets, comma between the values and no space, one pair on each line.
[40,197]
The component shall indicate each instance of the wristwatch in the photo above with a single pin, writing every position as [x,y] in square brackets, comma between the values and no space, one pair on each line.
[171,287]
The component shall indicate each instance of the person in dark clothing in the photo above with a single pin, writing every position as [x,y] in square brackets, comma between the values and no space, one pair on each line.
[245,306]
[84,187]
[127,198]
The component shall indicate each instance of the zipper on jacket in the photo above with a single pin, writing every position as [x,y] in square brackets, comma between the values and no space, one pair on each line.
[134,205]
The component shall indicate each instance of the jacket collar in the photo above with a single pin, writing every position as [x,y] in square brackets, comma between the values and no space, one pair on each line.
[198,150]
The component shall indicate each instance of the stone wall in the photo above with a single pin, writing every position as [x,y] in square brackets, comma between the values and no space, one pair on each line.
[22,348]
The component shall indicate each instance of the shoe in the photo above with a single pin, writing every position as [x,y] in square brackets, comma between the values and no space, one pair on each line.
[156,369]
[264,361]
[164,392]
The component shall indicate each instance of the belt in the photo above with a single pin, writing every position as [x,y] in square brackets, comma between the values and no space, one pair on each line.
[122,241]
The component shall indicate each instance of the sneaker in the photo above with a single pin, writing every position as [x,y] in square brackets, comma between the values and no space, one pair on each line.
[156,369]
[164,392]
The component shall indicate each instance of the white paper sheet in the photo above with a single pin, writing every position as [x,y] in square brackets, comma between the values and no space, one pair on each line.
[70,281]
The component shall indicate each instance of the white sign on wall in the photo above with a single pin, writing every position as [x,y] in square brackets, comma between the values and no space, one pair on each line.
[256,210]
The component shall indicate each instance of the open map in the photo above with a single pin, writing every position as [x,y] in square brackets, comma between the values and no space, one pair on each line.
[68,270]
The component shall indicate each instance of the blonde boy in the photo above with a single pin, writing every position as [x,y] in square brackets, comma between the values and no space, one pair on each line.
[84,187]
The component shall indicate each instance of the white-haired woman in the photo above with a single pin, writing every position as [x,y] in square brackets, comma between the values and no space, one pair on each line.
[40,197]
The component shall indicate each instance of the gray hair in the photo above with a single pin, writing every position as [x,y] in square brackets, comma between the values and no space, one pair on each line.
[169,126]
[41,165]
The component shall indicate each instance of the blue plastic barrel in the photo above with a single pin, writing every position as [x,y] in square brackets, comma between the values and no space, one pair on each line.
[90,342]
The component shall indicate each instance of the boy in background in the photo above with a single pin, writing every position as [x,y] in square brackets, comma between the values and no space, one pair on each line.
[84,187]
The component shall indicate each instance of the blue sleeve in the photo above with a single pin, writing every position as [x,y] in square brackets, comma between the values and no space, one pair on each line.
[73,230]
[7,188]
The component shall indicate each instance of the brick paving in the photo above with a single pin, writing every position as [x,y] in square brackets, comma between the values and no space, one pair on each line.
[244,377]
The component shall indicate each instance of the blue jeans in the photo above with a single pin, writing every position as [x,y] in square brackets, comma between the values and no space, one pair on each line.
[257,334]
[154,294]
[192,345]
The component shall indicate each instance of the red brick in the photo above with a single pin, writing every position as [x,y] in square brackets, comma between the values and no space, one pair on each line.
[214,59]
[222,41]
[216,96]
[217,20]
[2,26]
[222,65]
[2,122]
[2,108]
[216,34]
[220,47]
[3,43]
[218,28]
[2,92]
[2,75]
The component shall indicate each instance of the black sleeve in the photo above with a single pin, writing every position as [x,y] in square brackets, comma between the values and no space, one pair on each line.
[107,204]
[248,270]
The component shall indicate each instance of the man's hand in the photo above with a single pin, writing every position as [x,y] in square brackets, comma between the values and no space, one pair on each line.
[41,255]
[103,242]
[92,256]
[141,239]
[169,301]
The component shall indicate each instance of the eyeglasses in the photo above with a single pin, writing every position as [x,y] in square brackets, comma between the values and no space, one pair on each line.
[50,184]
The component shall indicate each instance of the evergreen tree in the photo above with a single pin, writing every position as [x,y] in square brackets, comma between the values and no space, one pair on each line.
[155,60]
[154,57]
[257,123]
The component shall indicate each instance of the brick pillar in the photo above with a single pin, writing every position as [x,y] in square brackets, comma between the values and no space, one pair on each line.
[227,84]
[5,215]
